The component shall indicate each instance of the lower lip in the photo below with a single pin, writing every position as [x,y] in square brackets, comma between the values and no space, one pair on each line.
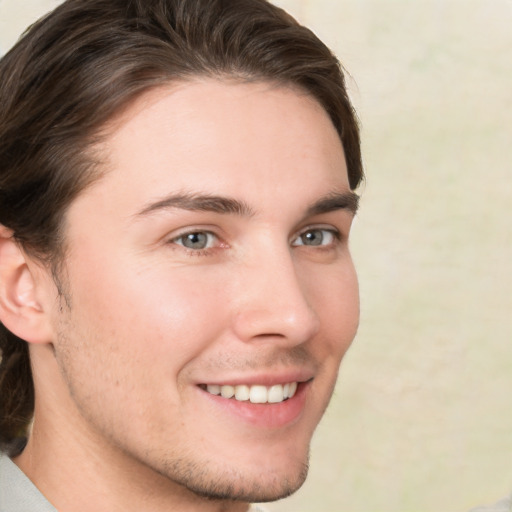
[264,415]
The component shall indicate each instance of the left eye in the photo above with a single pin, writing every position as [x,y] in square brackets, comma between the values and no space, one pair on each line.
[315,237]
[196,240]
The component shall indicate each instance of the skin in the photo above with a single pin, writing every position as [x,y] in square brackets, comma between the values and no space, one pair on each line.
[122,421]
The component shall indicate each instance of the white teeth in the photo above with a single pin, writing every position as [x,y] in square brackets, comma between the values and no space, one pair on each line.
[213,389]
[227,391]
[276,394]
[242,393]
[258,394]
[255,394]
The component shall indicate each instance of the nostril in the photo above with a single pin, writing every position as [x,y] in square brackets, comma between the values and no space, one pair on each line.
[271,325]
[266,335]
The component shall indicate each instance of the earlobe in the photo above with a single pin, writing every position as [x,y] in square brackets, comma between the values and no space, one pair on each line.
[20,310]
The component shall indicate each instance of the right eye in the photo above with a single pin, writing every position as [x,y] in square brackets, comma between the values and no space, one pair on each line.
[196,240]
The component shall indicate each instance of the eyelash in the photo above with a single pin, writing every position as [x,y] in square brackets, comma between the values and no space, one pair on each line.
[206,251]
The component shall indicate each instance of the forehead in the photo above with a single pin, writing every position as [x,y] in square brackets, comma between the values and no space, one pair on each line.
[215,136]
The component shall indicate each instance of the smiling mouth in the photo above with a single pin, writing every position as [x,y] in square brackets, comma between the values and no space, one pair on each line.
[256,394]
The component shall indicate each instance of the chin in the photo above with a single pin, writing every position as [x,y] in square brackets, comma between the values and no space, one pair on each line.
[265,487]
[257,483]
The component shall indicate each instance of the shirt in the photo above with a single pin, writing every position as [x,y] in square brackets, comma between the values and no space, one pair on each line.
[504,505]
[17,492]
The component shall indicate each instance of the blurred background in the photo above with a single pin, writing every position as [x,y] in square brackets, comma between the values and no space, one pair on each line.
[422,417]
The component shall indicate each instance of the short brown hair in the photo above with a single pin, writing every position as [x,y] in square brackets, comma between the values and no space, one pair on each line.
[78,66]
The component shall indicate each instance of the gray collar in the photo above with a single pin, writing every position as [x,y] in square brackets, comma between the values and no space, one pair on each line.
[17,492]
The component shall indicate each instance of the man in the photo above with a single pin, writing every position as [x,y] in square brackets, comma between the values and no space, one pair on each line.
[176,290]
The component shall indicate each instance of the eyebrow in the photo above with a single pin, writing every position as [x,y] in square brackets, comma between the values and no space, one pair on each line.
[199,202]
[336,201]
[225,205]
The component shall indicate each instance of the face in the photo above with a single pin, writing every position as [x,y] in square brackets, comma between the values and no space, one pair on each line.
[211,293]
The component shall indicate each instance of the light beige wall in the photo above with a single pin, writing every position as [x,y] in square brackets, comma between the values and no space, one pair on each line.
[422,418]
[17,15]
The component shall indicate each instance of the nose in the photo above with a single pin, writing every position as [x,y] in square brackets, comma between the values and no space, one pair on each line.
[272,302]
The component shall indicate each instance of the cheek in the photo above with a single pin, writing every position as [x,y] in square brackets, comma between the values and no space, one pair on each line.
[335,299]
[152,314]
[128,338]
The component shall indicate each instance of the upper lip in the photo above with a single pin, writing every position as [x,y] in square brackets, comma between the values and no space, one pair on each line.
[264,379]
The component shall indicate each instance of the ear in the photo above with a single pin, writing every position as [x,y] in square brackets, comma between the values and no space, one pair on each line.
[21,311]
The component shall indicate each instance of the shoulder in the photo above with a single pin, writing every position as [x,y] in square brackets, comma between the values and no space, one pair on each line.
[17,492]
[504,505]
